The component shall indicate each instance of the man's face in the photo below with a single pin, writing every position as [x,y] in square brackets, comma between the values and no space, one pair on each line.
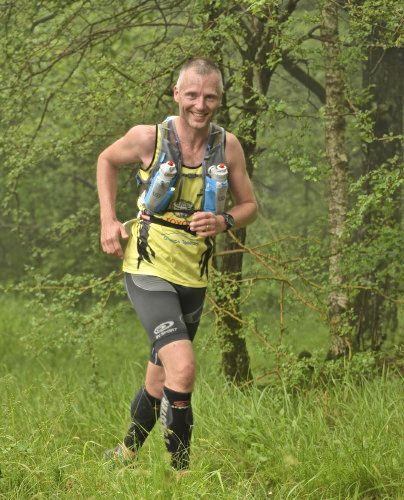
[198,98]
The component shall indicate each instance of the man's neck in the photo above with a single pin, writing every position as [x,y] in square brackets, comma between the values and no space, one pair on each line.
[193,138]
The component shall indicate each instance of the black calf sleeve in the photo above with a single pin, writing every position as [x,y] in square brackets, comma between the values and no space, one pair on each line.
[144,412]
[176,418]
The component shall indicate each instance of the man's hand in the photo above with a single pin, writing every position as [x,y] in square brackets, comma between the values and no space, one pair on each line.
[207,224]
[111,231]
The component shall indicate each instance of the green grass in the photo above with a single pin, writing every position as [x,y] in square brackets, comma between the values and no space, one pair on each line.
[336,440]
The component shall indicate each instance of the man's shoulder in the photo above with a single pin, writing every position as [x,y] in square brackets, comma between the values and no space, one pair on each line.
[234,151]
[231,140]
[143,139]
[142,133]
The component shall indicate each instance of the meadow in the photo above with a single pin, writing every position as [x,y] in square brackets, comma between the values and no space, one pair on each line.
[327,435]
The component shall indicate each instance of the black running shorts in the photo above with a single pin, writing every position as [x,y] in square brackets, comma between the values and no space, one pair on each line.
[167,311]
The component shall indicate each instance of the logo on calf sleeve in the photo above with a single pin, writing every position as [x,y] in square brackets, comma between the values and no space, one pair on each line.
[164,410]
[164,328]
[181,405]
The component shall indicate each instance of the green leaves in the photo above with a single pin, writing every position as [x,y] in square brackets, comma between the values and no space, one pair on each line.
[76,77]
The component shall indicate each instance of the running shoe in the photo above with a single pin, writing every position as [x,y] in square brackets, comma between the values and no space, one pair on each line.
[121,455]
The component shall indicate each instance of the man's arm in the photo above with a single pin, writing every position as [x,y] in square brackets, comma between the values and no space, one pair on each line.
[245,206]
[135,147]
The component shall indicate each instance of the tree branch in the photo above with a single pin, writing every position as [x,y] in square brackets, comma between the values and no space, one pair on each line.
[304,78]
[289,9]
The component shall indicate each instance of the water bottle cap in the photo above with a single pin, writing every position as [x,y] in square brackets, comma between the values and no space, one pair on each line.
[221,165]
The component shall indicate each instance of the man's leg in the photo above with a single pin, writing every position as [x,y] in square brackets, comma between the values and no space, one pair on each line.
[145,408]
[157,304]
[176,411]
[180,372]
[170,315]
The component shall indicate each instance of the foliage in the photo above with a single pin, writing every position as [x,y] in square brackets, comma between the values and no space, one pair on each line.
[76,76]
[75,316]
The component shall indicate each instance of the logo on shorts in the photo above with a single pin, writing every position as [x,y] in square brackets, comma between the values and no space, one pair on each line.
[164,328]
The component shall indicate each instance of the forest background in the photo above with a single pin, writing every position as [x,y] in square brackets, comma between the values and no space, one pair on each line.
[305,303]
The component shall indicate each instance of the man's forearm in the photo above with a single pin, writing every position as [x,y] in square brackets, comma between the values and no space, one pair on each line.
[107,180]
[244,214]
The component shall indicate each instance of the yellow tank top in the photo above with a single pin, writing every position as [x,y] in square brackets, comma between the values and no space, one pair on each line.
[169,253]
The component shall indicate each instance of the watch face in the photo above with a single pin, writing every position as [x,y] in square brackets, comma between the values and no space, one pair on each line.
[229,220]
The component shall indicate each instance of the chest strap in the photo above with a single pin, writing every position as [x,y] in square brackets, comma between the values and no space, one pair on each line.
[162,222]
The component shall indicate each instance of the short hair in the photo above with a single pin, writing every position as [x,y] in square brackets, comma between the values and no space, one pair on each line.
[201,66]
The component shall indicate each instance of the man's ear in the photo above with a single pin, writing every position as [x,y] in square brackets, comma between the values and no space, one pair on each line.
[176,93]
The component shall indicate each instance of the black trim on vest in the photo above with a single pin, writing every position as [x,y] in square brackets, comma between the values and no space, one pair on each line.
[154,153]
[206,255]
[144,250]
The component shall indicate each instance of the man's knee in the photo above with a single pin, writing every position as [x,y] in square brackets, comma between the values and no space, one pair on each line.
[184,372]
[155,379]
[181,376]
[179,365]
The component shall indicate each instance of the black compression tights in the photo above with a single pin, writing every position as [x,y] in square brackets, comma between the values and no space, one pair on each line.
[145,410]
[177,420]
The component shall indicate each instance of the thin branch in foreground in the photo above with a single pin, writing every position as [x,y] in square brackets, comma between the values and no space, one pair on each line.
[218,309]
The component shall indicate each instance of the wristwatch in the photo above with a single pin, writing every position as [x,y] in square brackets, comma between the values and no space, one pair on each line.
[228,220]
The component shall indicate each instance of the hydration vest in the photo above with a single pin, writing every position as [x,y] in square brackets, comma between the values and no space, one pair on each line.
[168,147]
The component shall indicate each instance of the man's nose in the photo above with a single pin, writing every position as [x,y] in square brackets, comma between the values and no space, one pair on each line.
[200,103]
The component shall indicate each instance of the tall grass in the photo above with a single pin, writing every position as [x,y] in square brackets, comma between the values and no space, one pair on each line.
[339,439]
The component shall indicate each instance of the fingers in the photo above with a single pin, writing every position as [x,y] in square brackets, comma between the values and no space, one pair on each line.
[110,238]
[124,233]
[143,215]
[205,224]
[111,246]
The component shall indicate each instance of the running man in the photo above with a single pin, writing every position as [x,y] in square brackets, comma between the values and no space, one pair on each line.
[167,258]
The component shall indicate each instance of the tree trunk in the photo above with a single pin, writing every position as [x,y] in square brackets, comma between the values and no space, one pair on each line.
[376,317]
[337,158]
[260,38]
[235,357]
